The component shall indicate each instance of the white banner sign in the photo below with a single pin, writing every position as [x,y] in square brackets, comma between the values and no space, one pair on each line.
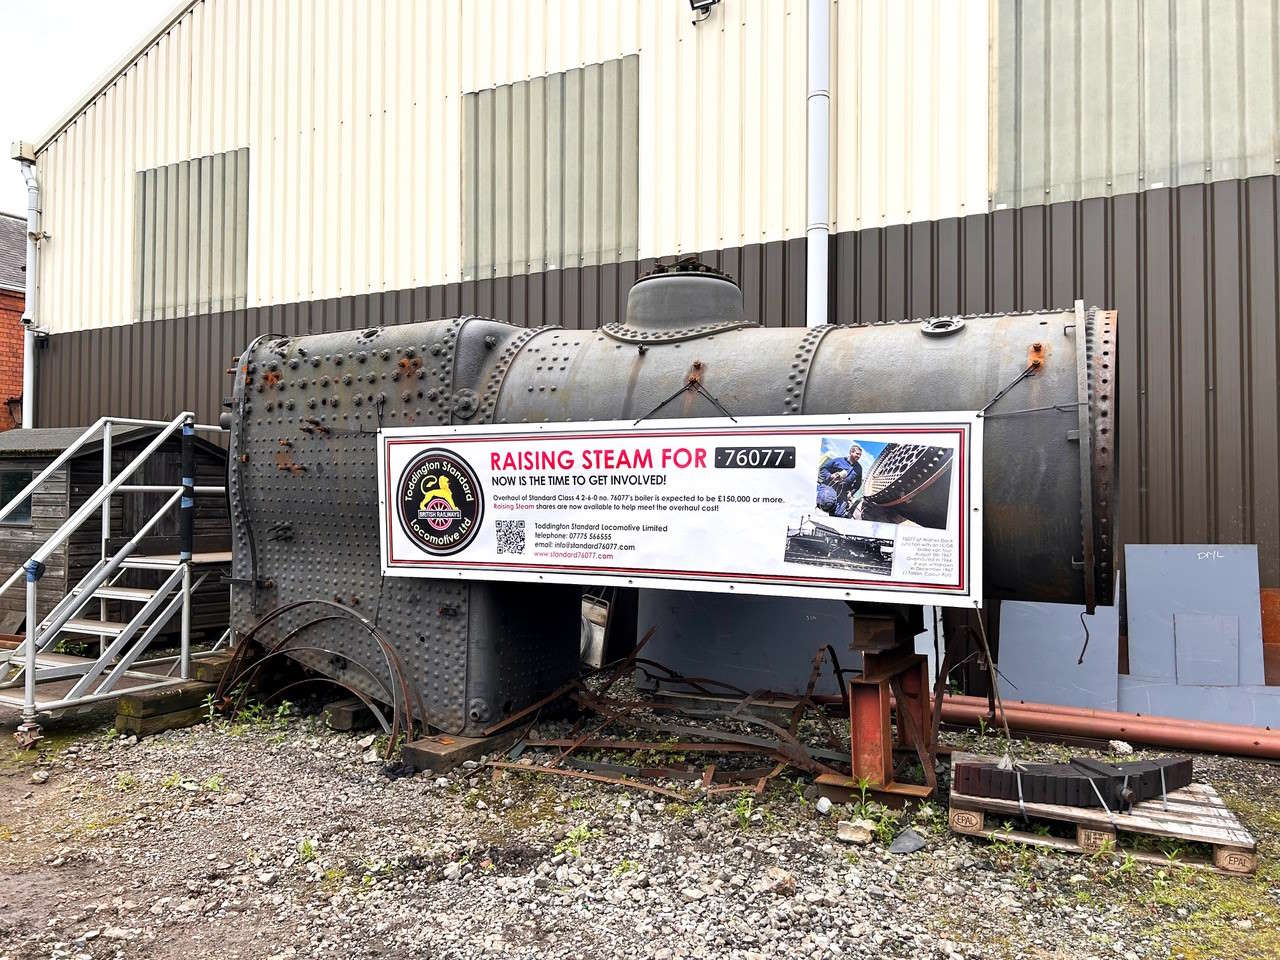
[860,507]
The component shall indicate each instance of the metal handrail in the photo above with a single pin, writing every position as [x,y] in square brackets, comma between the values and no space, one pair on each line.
[115,658]
[75,601]
[48,471]
[167,488]
[90,506]
[89,432]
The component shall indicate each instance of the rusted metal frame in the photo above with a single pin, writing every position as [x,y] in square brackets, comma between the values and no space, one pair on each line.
[322,678]
[579,741]
[802,705]
[869,732]
[706,776]
[394,666]
[588,775]
[679,746]
[939,690]
[626,663]
[698,683]
[760,784]
[787,746]
[839,672]
[790,749]
[911,726]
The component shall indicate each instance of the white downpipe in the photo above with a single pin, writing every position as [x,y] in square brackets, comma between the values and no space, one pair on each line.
[818,216]
[29,311]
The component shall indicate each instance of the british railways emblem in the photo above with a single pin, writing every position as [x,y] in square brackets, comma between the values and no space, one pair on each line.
[439,502]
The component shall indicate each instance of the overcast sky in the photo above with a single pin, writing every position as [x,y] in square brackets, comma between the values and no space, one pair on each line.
[54,51]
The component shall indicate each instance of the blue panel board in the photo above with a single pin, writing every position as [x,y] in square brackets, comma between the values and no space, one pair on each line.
[1207,649]
[1164,580]
[1040,645]
[1253,706]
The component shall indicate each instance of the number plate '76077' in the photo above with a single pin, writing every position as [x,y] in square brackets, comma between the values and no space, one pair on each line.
[781,458]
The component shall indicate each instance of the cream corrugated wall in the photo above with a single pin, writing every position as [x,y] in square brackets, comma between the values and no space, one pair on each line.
[352,115]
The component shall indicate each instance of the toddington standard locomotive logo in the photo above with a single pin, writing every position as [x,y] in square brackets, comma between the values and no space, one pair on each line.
[440,503]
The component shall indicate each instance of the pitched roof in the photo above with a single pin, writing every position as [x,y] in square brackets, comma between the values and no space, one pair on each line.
[53,440]
[13,252]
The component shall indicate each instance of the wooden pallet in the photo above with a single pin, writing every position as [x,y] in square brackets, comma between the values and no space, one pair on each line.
[1195,814]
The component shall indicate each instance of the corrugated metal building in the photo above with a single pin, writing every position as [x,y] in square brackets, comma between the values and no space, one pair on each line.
[299,165]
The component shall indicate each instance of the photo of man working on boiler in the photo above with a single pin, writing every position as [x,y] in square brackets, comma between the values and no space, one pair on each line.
[839,479]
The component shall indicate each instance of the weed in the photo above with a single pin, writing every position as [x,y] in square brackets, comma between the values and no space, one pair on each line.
[306,850]
[212,784]
[743,809]
[927,813]
[798,788]
[126,782]
[625,866]
[1122,870]
[573,841]
[255,715]
[171,781]
[886,826]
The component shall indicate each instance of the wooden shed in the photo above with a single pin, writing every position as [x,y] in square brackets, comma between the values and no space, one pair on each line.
[24,453]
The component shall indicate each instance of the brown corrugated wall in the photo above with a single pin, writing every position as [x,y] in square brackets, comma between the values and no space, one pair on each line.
[1192,271]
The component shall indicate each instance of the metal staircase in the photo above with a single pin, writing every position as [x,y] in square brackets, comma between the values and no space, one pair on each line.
[68,681]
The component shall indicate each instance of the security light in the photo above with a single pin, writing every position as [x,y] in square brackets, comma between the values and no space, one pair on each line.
[701,9]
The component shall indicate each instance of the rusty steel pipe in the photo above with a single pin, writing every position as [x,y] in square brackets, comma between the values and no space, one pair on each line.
[1091,713]
[1107,725]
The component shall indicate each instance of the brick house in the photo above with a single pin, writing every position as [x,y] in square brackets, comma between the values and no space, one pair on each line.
[13,274]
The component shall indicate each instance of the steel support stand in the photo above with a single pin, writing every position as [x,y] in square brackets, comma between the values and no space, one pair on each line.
[891,672]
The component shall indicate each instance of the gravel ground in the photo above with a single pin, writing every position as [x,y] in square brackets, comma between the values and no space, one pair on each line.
[275,838]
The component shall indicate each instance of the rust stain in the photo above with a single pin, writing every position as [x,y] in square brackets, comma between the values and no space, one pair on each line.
[1038,355]
[284,461]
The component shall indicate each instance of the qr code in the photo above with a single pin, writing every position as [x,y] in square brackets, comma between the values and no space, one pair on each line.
[510,536]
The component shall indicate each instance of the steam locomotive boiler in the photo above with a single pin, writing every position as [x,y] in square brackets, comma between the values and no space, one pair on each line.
[306,411]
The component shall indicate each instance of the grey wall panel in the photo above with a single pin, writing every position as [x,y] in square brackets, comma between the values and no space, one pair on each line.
[549,172]
[1098,98]
[1192,272]
[191,241]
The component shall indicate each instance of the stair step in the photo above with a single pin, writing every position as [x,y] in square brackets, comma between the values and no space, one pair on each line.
[110,628]
[150,563]
[137,594]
